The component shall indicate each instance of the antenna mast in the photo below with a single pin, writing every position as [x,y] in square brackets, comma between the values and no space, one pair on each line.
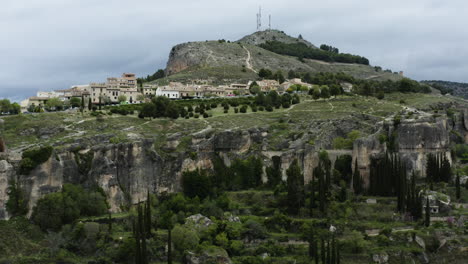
[259,18]
[269,22]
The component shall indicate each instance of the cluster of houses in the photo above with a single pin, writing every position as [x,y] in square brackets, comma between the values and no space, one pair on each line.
[125,89]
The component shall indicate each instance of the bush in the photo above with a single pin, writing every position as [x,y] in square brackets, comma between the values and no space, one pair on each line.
[55,209]
[243,109]
[196,183]
[184,238]
[33,158]
[269,108]
[254,230]
[236,110]
[205,115]
[196,116]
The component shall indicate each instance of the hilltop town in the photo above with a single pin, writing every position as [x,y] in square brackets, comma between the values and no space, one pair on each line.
[126,90]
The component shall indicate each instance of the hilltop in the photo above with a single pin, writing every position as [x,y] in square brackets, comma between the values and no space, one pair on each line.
[221,61]
[454,88]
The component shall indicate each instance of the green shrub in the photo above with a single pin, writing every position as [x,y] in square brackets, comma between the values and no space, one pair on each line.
[55,209]
[243,109]
[184,238]
[254,230]
[33,158]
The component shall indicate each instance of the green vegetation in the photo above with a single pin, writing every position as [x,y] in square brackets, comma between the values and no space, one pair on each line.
[33,158]
[6,107]
[346,143]
[302,51]
[64,207]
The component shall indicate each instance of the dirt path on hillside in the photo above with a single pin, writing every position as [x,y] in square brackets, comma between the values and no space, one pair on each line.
[247,61]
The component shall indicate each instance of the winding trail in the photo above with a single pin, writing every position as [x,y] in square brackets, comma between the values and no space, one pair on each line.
[247,61]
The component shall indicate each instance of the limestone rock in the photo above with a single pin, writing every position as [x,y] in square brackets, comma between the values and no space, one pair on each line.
[420,242]
[199,221]
[380,258]
[211,255]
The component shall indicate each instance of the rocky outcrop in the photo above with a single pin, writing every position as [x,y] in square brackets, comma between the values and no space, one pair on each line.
[200,59]
[126,171]
[7,173]
[261,37]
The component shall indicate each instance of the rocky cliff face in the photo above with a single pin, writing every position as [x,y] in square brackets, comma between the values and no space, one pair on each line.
[127,171]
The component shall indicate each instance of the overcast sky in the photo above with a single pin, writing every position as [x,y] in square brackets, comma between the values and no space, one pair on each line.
[53,44]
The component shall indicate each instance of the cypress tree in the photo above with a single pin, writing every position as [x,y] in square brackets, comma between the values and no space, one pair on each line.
[148,216]
[316,254]
[312,196]
[110,222]
[138,245]
[333,250]
[357,181]
[90,105]
[427,221]
[322,250]
[338,255]
[430,169]
[321,188]
[445,170]
[457,186]
[100,102]
[295,184]
[169,246]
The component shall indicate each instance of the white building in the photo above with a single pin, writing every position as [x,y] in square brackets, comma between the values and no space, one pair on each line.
[169,92]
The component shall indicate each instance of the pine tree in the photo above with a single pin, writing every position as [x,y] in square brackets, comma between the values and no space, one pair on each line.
[457,186]
[427,221]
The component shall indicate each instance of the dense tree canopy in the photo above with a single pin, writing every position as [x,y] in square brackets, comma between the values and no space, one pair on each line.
[301,50]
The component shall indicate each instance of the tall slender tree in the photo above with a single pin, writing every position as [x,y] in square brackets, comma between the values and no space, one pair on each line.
[457,186]
[148,221]
[357,180]
[295,187]
[427,221]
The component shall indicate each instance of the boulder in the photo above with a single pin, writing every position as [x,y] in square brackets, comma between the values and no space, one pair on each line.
[199,221]
[380,258]
[210,255]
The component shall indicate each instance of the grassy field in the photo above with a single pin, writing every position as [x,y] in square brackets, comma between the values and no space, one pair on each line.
[56,128]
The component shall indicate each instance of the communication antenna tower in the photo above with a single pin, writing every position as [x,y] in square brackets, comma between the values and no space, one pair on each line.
[259,18]
[269,22]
